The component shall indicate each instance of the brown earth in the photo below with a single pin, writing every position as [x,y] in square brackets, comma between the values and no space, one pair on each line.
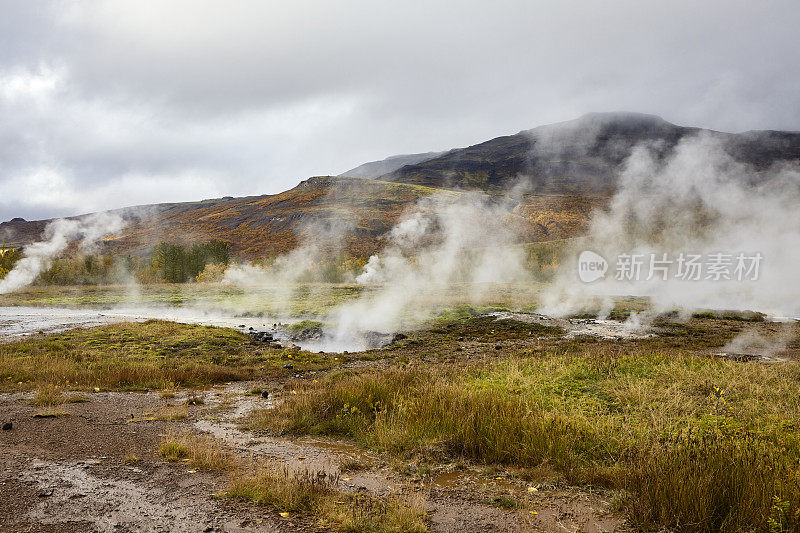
[74,472]
[362,210]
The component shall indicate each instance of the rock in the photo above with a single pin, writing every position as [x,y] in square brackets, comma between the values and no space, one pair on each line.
[398,337]
[498,347]
[7,426]
[739,357]
[261,336]
[265,394]
[288,366]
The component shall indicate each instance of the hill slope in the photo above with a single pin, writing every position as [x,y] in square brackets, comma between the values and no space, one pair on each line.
[374,169]
[580,156]
[571,168]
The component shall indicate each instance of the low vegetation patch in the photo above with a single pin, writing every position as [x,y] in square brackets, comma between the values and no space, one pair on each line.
[200,451]
[315,494]
[303,492]
[694,443]
[51,395]
[148,355]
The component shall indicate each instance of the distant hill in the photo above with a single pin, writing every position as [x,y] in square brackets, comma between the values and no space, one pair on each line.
[580,156]
[373,169]
[570,167]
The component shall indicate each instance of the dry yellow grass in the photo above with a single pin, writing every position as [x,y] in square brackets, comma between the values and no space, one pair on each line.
[203,452]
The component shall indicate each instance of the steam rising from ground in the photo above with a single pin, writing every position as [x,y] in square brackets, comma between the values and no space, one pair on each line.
[440,244]
[751,342]
[57,237]
[698,200]
[448,243]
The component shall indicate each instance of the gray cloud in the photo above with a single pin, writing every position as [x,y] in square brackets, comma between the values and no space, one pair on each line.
[105,104]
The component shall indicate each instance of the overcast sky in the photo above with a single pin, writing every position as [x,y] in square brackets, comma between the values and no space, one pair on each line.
[107,104]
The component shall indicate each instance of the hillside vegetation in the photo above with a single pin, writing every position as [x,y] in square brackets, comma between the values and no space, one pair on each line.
[567,169]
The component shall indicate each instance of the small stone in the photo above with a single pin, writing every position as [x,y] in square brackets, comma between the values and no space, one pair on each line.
[498,347]
[7,426]
[288,366]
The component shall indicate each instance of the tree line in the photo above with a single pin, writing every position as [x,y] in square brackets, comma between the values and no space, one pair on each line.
[168,262]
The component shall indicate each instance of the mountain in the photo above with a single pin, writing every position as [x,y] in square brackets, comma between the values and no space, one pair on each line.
[570,169]
[373,169]
[580,156]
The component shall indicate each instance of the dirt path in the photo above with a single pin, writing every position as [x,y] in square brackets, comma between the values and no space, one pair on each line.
[76,472]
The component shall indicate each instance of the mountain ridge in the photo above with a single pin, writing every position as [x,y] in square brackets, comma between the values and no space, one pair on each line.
[568,169]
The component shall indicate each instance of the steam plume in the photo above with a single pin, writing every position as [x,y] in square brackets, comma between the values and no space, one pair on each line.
[697,200]
[441,245]
[57,237]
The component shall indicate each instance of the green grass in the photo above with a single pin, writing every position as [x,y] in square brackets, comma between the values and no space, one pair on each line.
[304,325]
[696,443]
[309,300]
[148,355]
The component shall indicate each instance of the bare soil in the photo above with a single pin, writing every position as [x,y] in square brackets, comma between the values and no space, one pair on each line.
[94,468]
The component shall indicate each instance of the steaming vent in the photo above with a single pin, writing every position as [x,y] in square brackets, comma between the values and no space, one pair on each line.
[315,339]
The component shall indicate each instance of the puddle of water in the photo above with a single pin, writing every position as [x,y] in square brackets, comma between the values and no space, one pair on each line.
[578,327]
[22,321]
[465,479]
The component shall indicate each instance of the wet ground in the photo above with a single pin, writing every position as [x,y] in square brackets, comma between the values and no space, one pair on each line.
[19,322]
[93,467]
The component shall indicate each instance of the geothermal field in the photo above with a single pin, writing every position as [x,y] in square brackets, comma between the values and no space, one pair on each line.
[545,313]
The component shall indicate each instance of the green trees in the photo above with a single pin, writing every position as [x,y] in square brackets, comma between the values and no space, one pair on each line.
[8,258]
[176,263]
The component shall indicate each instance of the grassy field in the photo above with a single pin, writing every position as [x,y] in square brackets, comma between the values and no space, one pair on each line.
[686,440]
[149,355]
[690,441]
[308,300]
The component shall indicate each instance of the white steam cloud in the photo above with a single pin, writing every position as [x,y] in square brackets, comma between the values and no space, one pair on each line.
[321,239]
[699,200]
[443,244]
[57,237]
